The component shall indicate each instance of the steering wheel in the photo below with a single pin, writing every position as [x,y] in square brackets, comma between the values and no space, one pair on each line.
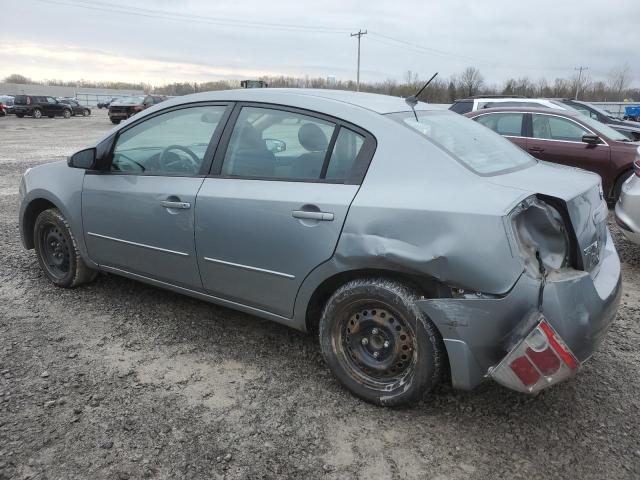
[167,163]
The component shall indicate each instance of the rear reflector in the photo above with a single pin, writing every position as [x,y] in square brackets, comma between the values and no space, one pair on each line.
[537,361]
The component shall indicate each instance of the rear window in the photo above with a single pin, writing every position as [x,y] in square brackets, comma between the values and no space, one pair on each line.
[461,107]
[475,146]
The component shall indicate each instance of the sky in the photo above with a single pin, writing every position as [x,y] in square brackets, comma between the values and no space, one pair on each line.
[165,41]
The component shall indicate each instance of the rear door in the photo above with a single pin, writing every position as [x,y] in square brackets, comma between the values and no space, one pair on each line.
[275,204]
[559,140]
[138,216]
[507,124]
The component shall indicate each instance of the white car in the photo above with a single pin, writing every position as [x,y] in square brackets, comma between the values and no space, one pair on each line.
[467,105]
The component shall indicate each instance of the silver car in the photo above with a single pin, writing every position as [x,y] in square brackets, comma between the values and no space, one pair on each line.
[417,243]
[628,206]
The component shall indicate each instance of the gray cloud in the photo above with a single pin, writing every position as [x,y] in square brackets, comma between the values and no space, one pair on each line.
[547,38]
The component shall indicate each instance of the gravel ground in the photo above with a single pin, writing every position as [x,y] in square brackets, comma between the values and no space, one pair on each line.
[122,380]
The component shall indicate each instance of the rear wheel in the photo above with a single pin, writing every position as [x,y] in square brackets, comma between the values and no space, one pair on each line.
[37,113]
[57,251]
[378,344]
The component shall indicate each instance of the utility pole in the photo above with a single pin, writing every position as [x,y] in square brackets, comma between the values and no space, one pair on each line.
[359,35]
[579,69]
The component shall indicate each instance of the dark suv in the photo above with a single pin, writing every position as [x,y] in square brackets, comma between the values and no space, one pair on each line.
[76,108]
[37,106]
[124,108]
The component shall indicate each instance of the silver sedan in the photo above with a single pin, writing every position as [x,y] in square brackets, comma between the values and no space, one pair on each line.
[628,206]
[417,243]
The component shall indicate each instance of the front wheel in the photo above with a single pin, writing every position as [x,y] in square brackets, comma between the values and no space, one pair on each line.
[57,251]
[86,112]
[378,344]
[66,114]
[37,113]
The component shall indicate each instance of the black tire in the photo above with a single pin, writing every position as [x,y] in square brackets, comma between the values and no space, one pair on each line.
[403,356]
[66,113]
[57,251]
[86,112]
[37,113]
[51,116]
[115,121]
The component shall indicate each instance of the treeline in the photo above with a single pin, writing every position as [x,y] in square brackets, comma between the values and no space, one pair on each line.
[467,83]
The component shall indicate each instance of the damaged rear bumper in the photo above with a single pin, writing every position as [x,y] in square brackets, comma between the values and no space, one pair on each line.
[479,331]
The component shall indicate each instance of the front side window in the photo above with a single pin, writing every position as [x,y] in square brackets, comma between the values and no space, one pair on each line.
[173,143]
[270,143]
[473,145]
[51,100]
[509,124]
[549,127]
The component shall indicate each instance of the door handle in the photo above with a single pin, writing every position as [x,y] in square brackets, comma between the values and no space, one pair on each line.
[536,149]
[175,205]
[311,215]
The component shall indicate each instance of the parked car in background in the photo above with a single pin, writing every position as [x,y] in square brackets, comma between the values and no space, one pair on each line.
[627,128]
[38,106]
[471,104]
[3,110]
[106,103]
[76,108]
[628,206]
[418,243]
[7,102]
[566,137]
[126,107]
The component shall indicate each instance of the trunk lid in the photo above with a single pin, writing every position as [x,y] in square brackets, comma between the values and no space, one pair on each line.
[580,191]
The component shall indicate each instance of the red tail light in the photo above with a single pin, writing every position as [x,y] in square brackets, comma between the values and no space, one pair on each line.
[537,361]
[636,167]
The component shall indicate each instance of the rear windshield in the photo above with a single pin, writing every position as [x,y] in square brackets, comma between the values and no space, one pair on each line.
[481,150]
[130,100]
[461,107]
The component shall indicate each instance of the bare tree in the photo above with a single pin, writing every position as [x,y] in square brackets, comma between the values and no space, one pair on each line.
[17,78]
[471,80]
[620,79]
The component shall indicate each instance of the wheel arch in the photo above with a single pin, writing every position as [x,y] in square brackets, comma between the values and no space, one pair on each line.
[427,286]
[28,218]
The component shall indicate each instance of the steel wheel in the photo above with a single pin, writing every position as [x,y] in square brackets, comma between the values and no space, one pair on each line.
[377,344]
[56,251]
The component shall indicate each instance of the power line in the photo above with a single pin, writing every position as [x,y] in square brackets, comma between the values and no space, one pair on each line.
[175,16]
[359,35]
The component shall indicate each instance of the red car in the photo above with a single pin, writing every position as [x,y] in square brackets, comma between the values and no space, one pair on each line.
[566,137]
[3,110]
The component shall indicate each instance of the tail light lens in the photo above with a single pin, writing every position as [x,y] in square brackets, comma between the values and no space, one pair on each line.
[538,361]
[636,167]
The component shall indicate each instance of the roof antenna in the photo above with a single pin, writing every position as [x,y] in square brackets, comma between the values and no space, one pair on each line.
[412,100]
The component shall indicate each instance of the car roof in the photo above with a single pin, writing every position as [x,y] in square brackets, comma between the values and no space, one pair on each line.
[371,101]
[555,111]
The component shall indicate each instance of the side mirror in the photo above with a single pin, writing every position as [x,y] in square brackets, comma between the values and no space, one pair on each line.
[275,146]
[83,159]
[591,139]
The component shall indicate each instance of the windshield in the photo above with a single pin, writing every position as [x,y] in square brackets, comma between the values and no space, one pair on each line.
[605,130]
[475,146]
[130,100]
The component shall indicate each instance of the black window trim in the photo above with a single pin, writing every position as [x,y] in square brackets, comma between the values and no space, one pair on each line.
[358,169]
[106,147]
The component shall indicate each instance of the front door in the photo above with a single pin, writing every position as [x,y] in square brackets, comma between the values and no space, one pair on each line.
[559,140]
[139,215]
[276,209]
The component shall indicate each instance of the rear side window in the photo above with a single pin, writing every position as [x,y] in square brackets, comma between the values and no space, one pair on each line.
[20,100]
[509,124]
[461,107]
[278,144]
[346,150]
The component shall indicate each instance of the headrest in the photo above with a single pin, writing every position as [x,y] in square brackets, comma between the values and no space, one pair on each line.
[312,138]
